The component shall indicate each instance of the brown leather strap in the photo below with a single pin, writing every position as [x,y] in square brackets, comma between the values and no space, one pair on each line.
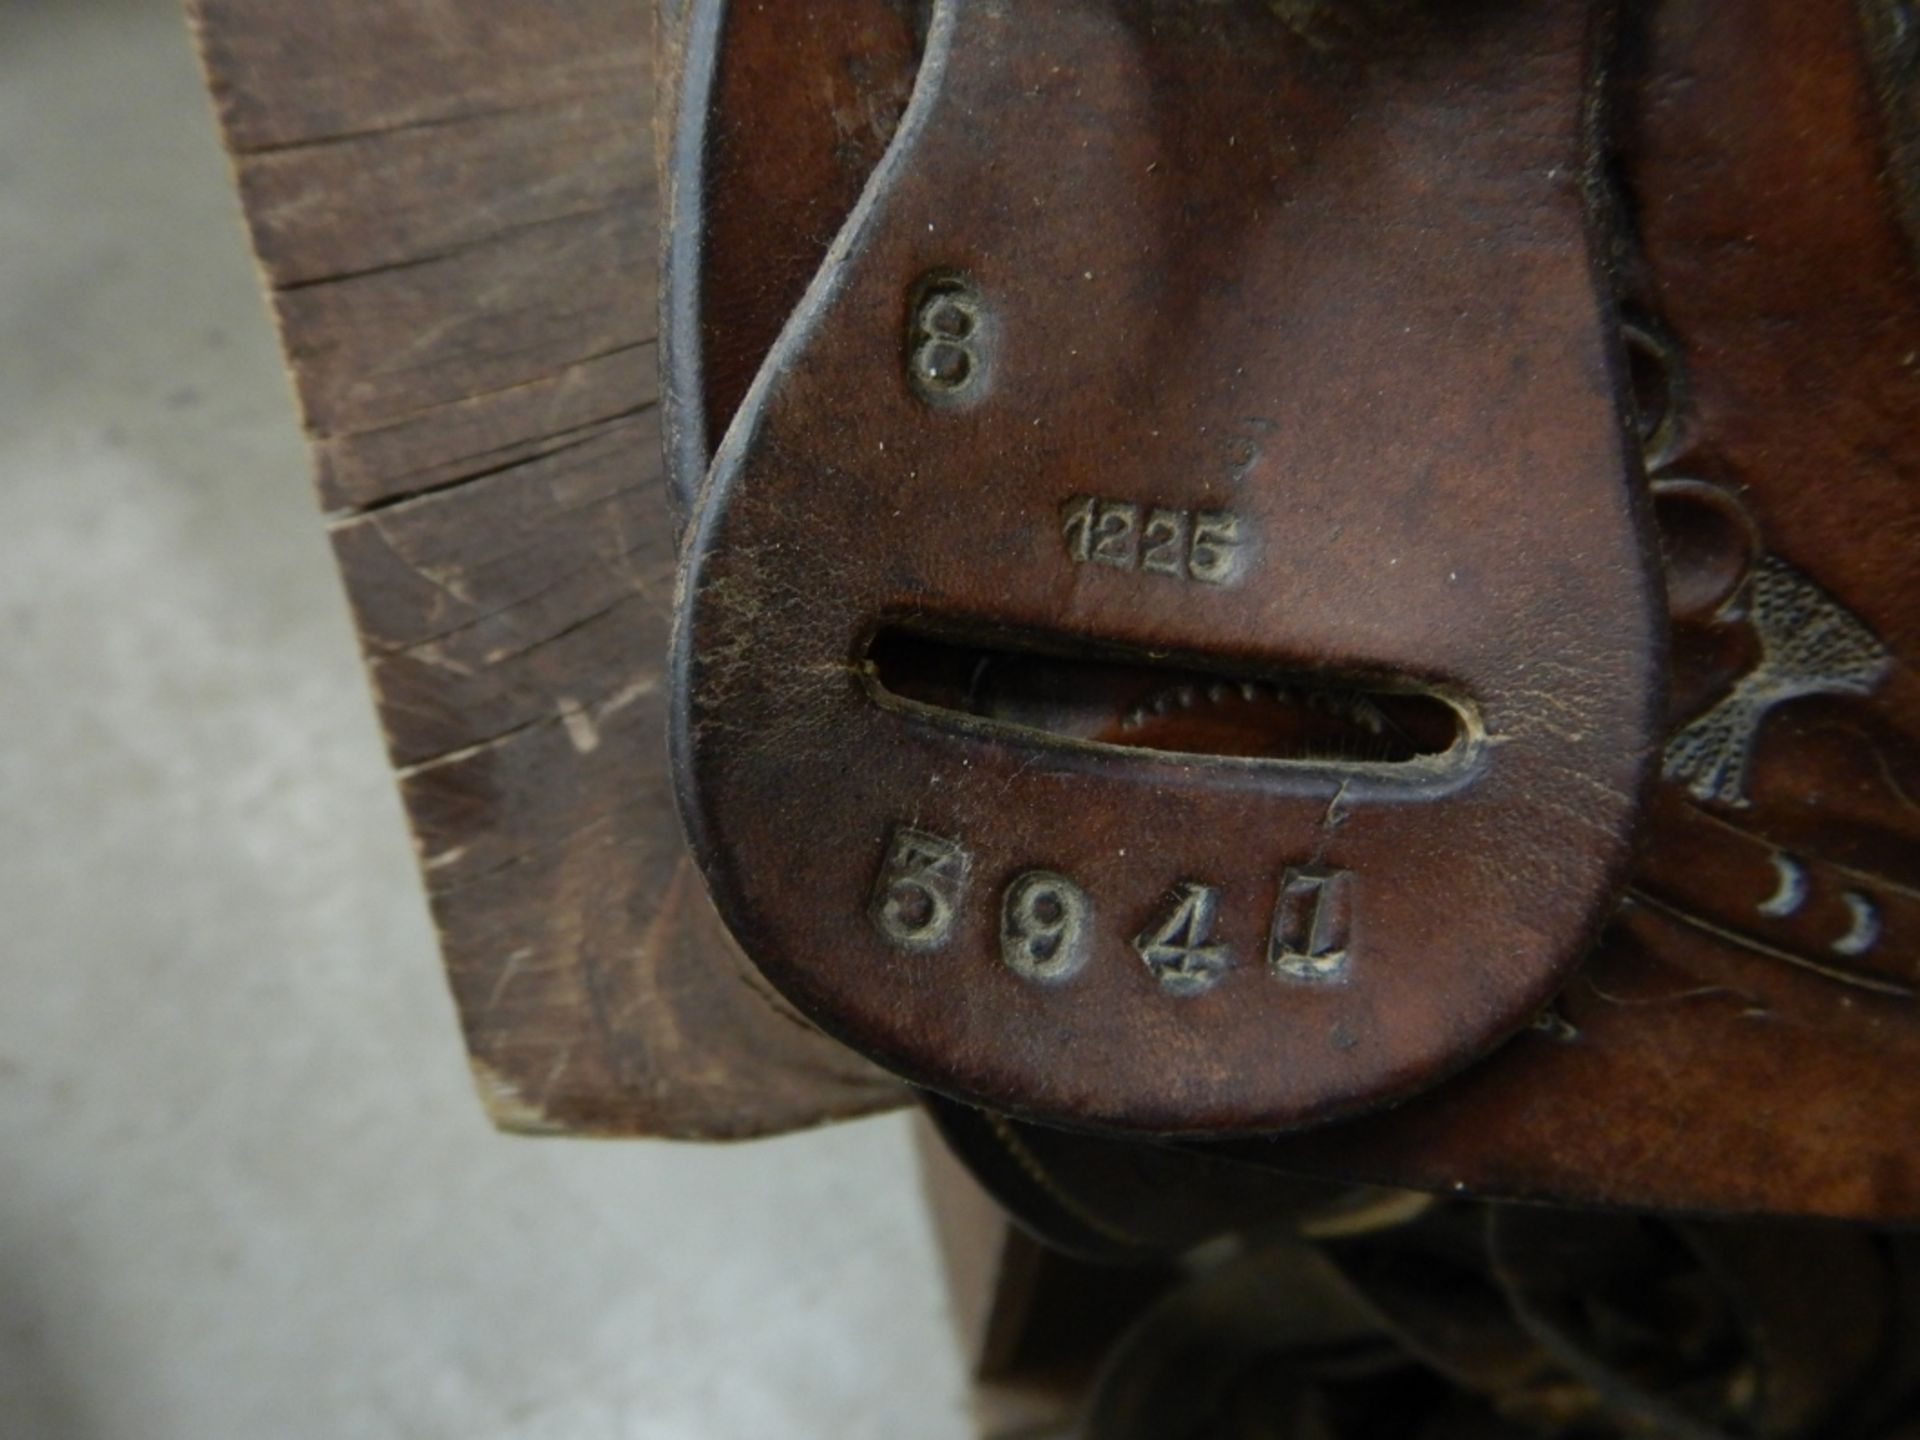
[1742,1040]
[1168,334]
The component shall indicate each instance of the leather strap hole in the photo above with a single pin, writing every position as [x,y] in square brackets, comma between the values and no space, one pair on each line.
[1137,704]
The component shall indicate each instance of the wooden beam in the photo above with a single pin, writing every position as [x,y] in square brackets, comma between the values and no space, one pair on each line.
[454,212]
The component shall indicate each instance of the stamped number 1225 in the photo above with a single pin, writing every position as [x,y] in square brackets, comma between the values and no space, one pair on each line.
[1202,545]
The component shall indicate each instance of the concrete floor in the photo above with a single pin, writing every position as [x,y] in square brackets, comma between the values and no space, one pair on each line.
[246,1190]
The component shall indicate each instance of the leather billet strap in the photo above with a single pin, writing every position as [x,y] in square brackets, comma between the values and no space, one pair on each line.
[1166,333]
[1742,1037]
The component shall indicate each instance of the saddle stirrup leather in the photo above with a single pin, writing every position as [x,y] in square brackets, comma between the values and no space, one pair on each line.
[1292,607]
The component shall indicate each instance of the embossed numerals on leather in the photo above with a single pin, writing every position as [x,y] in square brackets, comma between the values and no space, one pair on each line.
[918,892]
[1043,927]
[1047,919]
[1201,545]
[1179,948]
[949,338]
[1312,924]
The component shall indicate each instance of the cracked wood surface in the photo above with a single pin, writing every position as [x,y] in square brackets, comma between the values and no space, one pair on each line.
[454,211]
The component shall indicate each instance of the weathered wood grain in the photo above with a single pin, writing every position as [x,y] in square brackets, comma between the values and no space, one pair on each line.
[454,212]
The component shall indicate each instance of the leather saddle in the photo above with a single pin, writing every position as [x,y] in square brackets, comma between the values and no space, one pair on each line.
[1284,596]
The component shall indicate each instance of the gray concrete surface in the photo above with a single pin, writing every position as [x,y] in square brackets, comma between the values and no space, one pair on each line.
[244,1187]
